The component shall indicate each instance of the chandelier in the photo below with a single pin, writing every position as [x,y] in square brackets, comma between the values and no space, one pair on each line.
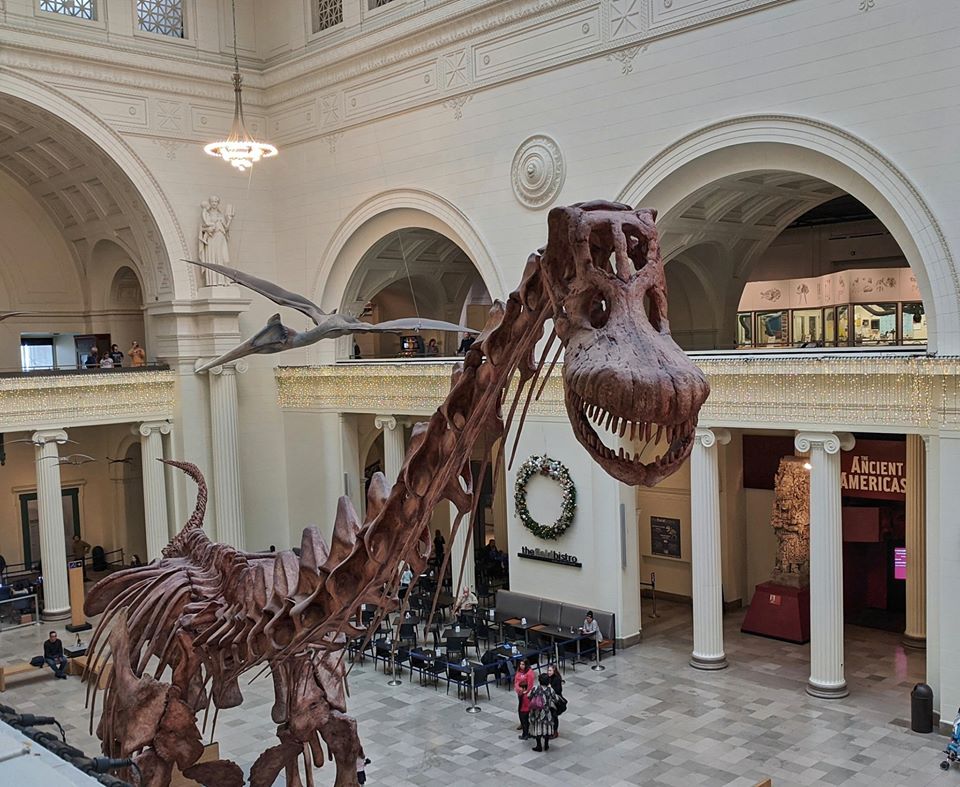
[239,148]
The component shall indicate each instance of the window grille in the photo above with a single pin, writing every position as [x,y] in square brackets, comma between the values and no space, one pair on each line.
[372,4]
[81,9]
[326,14]
[164,17]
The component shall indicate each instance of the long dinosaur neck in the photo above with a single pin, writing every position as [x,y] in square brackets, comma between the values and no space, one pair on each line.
[397,527]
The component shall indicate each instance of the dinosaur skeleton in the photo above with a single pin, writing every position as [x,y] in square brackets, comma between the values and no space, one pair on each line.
[207,613]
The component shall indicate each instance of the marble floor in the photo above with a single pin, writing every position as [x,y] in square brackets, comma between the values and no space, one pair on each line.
[648,719]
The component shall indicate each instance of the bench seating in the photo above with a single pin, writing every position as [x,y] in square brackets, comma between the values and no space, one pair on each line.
[78,666]
[15,668]
[511,605]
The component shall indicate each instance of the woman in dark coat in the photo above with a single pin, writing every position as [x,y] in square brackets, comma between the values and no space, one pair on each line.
[543,701]
[556,683]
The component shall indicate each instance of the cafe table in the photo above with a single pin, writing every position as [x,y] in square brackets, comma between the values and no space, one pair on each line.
[517,625]
[562,635]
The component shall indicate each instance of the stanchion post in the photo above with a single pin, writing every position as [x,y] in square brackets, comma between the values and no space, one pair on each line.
[653,593]
[394,681]
[598,667]
[474,708]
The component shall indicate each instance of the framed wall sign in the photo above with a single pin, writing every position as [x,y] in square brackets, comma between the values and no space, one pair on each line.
[665,536]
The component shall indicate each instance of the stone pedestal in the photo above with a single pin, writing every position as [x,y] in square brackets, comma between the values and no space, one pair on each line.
[779,612]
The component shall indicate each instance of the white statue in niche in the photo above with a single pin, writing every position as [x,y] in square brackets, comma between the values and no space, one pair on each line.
[214,232]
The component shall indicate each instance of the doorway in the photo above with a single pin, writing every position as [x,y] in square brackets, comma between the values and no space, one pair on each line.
[30,522]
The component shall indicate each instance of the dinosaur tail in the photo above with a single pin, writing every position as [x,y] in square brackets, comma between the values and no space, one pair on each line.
[196,518]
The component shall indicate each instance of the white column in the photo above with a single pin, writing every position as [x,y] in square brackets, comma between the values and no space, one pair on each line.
[826,563]
[154,485]
[461,543]
[915,633]
[224,423]
[393,447]
[705,550]
[935,611]
[53,541]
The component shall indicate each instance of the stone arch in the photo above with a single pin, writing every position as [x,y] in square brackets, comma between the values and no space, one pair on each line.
[811,147]
[386,213]
[156,233]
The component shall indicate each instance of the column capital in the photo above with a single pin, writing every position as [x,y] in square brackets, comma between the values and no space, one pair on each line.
[144,429]
[708,436]
[49,436]
[385,422]
[231,367]
[831,443]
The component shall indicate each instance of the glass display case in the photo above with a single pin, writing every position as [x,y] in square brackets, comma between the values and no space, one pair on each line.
[913,324]
[772,329]
[874,323]
[807,327]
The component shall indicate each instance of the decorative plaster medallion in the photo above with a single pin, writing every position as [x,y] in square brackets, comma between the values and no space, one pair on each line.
[538,171]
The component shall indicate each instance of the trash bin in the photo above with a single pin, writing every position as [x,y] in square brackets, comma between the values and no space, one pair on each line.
[921,708]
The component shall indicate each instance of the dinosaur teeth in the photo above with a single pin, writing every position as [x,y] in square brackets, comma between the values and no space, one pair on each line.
[623,426]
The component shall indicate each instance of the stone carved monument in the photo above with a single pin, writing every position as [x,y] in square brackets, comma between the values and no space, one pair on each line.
[780,608]
[214,233]
[791,523]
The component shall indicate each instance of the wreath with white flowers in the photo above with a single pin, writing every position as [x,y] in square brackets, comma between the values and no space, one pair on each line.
[552,469]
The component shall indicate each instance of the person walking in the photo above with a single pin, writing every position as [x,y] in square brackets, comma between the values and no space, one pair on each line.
[543,701]
[53,655]
[556,683]
[522,685]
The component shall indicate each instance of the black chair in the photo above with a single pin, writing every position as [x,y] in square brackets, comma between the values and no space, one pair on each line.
[381,652]
[427,666]
[455,647]
[408,633]
[459,676]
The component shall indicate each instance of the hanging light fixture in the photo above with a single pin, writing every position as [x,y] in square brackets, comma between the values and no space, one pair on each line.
[239,148]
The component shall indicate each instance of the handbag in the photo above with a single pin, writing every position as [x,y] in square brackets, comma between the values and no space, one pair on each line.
[561,704]
[537,701]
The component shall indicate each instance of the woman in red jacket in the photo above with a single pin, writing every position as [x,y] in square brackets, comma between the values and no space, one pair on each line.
[523,685]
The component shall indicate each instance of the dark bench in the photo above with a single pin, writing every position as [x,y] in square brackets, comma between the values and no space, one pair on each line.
[511,605]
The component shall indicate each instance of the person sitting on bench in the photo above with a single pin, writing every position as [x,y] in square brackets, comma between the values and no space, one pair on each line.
[53,656]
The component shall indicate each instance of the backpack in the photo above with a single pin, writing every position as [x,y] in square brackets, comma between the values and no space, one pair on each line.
[537,701]
[561,704]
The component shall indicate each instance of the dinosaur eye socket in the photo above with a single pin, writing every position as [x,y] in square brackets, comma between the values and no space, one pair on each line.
[599,311]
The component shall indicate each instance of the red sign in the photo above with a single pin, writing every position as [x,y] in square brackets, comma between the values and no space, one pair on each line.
[875,469]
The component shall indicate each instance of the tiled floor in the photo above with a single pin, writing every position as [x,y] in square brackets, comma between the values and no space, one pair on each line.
[648,719]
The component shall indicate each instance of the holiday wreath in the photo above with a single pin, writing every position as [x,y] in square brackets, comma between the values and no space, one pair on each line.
[550,468]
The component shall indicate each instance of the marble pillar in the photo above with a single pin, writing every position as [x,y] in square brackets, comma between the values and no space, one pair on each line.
[154,485]
[826,562]
[225,430]
[462,543]
[53,540]
[705,550]
[915,633]
[393,445]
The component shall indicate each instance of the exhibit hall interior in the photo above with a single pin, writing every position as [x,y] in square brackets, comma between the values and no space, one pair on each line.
[431,392]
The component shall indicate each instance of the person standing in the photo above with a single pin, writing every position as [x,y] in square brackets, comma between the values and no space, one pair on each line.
[522,684]
[116,356]
[560,705]
[53,655]
[438,545]
[138,357]
[543,701]
[93,358]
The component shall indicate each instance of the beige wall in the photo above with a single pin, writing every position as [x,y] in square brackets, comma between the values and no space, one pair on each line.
[107,491]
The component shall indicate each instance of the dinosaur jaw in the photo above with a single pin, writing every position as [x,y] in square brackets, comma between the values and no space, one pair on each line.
[664,446]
